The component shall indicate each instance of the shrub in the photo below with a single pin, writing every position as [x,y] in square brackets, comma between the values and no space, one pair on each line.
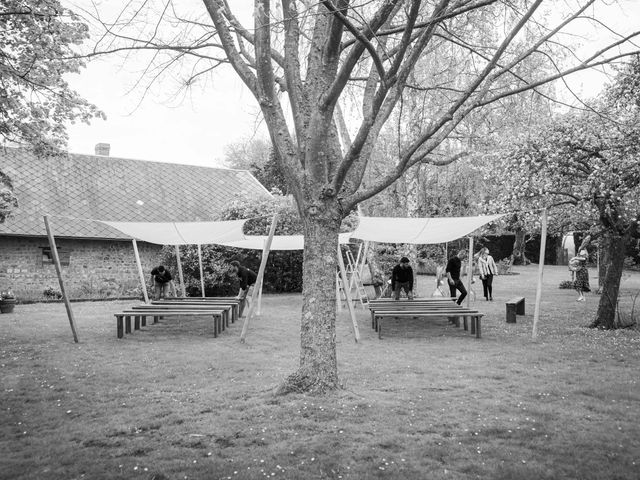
[51,293]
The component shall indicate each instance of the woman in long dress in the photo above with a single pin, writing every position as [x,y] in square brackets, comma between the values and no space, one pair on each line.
[581,283]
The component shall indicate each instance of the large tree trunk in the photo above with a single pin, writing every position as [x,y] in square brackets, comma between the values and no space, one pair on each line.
[318,371]
[615,253]
[518,255]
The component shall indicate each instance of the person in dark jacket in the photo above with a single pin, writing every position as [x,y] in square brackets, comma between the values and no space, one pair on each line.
[160,279]
[247,279]
[454,265]
[402,279]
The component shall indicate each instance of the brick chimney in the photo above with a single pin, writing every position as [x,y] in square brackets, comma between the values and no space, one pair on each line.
[102,149]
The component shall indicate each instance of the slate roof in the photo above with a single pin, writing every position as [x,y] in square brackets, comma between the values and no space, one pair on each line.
[117,189]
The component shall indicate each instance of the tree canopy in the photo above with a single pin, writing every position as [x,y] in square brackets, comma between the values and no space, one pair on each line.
[585,167]
[38,40]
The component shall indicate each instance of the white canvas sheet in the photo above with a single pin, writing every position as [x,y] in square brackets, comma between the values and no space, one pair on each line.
[280,242]
[182,233]
[418,230]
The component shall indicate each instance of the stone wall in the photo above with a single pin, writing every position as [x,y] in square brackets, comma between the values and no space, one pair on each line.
[96,268]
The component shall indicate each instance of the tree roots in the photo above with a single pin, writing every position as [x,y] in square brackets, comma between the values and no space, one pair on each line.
[303,382]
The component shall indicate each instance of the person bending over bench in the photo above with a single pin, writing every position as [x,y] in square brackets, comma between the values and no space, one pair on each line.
[247,281]
[402,279]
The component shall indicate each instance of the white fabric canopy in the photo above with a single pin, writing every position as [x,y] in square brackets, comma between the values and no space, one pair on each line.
[182,233]
[418,230]
[375,229]
[280,242]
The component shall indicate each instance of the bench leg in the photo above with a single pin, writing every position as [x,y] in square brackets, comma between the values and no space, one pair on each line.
[373,320]
[473,325]
[511,313]
[120,326]
[478,321]
[215,326]
[520,308]
[464,321]
[379,328]
[127,324]
[143,321]
[156,319]
[136,322]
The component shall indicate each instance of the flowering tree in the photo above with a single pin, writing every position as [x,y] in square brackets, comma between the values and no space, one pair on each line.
[37,40]
[586,168]
[37,48]
[8,200]
[329,75]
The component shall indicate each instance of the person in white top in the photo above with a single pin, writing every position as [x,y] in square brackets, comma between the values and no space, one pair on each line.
[487,268]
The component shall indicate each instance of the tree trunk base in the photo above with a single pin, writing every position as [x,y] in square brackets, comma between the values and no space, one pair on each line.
[306,382]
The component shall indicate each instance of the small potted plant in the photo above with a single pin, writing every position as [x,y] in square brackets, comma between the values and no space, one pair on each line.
[7,301]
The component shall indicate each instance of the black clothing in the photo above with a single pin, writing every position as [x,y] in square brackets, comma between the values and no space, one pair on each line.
[161,277]
[247,277]
[458,286]
[453,267]
[487,286]
[401,275]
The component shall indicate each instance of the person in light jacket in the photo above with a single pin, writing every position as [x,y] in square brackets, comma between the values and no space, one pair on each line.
[487,268]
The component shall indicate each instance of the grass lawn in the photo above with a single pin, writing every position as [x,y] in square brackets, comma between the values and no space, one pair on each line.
[429,401]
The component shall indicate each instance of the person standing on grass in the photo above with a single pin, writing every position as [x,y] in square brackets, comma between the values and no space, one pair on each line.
[487,268]
[454,265]
[160,279]
[579,266]
[402,279]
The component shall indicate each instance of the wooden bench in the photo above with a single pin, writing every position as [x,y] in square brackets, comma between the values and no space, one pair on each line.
[229,300]
[225,309]
[123,319]
[515,306]
[474,315]
[429,304]
[233,306]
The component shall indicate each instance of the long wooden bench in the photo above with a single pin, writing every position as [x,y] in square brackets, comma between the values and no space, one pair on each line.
[123,319]
[426,307]
[474,315]
[203,301]
[225,309]
[233,307]
[241,303]
[411,305]
[515,306]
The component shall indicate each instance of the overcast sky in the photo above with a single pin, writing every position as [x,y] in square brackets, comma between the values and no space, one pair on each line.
[196,129]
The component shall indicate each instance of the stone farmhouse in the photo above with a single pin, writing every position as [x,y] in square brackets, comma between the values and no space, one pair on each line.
[97,261]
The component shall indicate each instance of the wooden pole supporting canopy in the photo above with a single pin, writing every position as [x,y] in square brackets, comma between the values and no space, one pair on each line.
[258,285]
[470,271]
[56,262]
[179,262]
[347,293]
[543,247]
[143,284]
[201,270]
[259,307]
